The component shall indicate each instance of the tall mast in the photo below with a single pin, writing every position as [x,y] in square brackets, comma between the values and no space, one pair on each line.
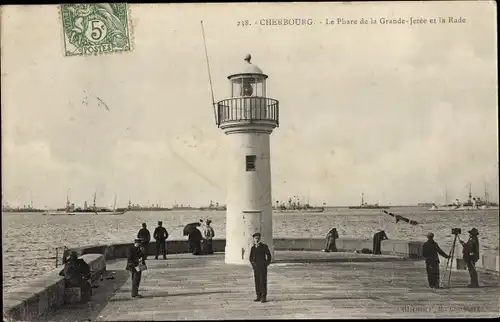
[95,194]
[486,195]
[446,195]
[470,191]
[114,205]
[31,199]
[362,198]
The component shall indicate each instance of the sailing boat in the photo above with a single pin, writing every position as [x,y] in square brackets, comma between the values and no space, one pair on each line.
[94,210]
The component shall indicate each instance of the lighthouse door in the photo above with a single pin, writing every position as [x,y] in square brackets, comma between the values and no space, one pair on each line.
[252,220]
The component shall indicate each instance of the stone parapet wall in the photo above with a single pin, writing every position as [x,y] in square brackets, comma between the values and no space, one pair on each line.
[44,293]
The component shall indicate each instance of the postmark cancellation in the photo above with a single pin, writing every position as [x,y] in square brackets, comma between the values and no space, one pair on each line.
[95,28]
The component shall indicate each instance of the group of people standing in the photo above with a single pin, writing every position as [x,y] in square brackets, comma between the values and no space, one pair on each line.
[160,235]
[470,255]
[200,238]
[199,241]
[430,251]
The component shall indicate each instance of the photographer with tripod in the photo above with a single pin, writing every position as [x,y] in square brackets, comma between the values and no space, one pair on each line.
[470,255]
[430,251]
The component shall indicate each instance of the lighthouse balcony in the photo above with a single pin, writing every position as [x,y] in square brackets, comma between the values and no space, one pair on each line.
[248,110]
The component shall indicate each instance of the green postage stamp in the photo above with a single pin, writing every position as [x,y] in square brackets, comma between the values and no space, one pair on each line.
[95,28]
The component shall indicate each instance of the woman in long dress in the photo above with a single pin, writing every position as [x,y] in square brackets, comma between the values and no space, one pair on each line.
[330,240]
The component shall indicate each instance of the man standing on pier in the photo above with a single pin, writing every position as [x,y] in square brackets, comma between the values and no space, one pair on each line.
[470,255]
[160,235]
[260,258]
[430,251]
[145,235]
[135,258]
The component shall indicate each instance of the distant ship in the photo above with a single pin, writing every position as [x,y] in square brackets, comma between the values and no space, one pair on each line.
[365,205]
[132,207]
[71,210]
[181,207]
[294,205]
[305,208]
[22,209]
[214,207]
[472,204]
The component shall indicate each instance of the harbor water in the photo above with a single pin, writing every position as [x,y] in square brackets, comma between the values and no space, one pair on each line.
[29,240]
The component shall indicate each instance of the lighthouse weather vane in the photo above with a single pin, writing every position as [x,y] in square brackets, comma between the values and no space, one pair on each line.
[247,117]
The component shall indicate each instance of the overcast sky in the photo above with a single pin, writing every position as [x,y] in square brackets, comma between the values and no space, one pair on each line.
[395,111]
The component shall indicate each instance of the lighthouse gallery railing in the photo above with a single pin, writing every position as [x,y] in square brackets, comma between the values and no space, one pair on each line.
[248,109]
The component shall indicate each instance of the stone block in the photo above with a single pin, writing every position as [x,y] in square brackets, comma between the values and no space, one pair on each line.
[72,295]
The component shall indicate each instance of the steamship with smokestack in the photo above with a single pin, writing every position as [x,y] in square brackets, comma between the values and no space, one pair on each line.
[365,205]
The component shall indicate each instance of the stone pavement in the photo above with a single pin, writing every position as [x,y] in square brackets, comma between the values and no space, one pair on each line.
[300,285]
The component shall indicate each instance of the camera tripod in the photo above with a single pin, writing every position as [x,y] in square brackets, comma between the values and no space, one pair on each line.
[449,262]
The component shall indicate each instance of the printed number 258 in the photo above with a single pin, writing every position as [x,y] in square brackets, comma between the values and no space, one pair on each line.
[243,23]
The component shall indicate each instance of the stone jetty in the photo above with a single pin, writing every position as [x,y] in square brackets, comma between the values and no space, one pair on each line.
[303,283]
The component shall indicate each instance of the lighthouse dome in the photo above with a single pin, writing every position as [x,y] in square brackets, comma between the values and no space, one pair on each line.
[248,68]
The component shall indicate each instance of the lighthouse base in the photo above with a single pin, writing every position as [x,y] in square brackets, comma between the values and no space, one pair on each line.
[241,255]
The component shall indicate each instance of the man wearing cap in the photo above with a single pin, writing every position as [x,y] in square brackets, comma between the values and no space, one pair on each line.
[260,258]
[161,235]
[145,235]
[134,257]
[209,234]
[430,251]
[470,255]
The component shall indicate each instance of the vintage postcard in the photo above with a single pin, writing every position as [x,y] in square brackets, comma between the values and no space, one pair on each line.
[250,161]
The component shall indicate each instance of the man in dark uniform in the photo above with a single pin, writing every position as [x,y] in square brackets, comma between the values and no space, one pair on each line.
[134,257]
[161,235]
[430,251]
[470,255]
[260,258]
[377,242]
[76,273]
[145,235]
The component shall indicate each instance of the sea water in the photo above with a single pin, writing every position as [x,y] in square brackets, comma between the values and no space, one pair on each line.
[29,240]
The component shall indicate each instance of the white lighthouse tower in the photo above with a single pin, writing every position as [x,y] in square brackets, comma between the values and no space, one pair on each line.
[248,118]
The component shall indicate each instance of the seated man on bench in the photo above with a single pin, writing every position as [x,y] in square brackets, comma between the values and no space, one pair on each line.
[76,273]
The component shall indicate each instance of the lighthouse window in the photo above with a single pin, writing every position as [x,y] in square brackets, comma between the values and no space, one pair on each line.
[250,162]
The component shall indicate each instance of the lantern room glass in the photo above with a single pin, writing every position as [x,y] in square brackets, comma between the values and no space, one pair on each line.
[248,86]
